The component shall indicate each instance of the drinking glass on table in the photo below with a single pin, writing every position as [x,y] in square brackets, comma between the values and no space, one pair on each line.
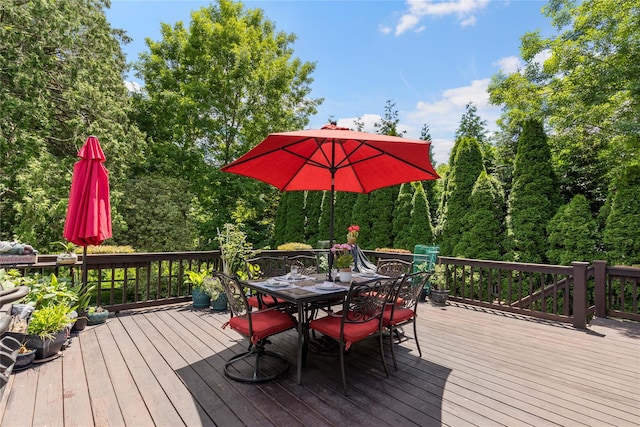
[335,273]
[294,271]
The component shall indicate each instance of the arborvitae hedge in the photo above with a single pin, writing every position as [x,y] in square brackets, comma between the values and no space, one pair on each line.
[313,209]
[360,215]
[466,167]
[534,197]
[621,234]
[381,212]
[420,229]
[483,225]
[572,233]
[402,216]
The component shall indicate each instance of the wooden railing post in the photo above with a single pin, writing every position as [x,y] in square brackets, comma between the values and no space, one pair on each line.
[580,294]
[600,288]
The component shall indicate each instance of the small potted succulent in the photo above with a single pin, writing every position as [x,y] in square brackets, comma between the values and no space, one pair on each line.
[96,315]
[25,358]
[69,256]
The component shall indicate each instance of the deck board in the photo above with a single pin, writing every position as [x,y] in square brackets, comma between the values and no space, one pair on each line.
[164,366]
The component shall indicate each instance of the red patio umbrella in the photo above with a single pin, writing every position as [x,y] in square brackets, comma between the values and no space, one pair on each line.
[335,158]
[88,219]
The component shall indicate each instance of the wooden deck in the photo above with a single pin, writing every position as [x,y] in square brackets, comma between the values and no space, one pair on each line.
[163,366]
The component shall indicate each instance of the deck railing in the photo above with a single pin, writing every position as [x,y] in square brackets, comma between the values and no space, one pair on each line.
[568,294]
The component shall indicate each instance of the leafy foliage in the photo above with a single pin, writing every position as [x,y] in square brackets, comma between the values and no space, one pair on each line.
[466,166]
[534,197]
[572,233]
[621,234]
[483,225]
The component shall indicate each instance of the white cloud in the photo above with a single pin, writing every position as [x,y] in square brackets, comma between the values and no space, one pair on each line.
[443,115]
[464,10]
[133,86]
[508,64]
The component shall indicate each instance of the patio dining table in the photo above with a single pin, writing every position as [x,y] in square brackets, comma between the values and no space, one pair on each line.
[303,292]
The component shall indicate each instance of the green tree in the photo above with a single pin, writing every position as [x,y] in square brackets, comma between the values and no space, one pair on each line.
[157,209]
[313,209]
[472,126]
[534,196]
[402,216]
[420,229]
[466,166]
[361,215]
[621,233]
[381,205]
[572,233]
[295,218]
[484,224]
[215,89]
[388,124]
[586,91]
[343,209]
[431,188]
[61,80]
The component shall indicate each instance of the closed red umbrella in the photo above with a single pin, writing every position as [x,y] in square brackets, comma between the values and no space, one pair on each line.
[88,219]
[335,158]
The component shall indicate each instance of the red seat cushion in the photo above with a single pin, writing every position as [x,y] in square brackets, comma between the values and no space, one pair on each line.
[399,315]
[264,324]
[267,301]
[353,332]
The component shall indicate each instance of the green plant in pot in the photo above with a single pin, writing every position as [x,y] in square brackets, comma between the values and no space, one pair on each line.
[96,315]
[215,290]
[47,329]
[195,279]
[82,306]
[69,255]
[234,249]
[439,293]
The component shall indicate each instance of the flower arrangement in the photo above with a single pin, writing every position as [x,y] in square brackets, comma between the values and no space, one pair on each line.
[354,231]
[342,255]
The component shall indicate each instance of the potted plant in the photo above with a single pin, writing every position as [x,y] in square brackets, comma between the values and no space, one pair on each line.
[68,257]
[96,315]
[47,329]
[439,292]
[353,233]
[199,296]
[234,249]
[215,290]
[82,306]
[342,260]
[24,358]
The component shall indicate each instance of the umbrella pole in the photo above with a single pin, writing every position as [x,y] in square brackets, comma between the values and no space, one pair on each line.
[331,228]
[84,267]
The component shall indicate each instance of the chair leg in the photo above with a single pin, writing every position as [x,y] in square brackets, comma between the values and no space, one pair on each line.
[415,337]
[384,361]
[344,377]
[392,345]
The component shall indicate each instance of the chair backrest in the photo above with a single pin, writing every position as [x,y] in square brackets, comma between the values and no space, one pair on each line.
[237,299]
[408,290]
[265,266]
[366,300]
[307,264]
[394,267]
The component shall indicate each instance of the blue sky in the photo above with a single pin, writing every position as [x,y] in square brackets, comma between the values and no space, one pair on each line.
[428,57]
